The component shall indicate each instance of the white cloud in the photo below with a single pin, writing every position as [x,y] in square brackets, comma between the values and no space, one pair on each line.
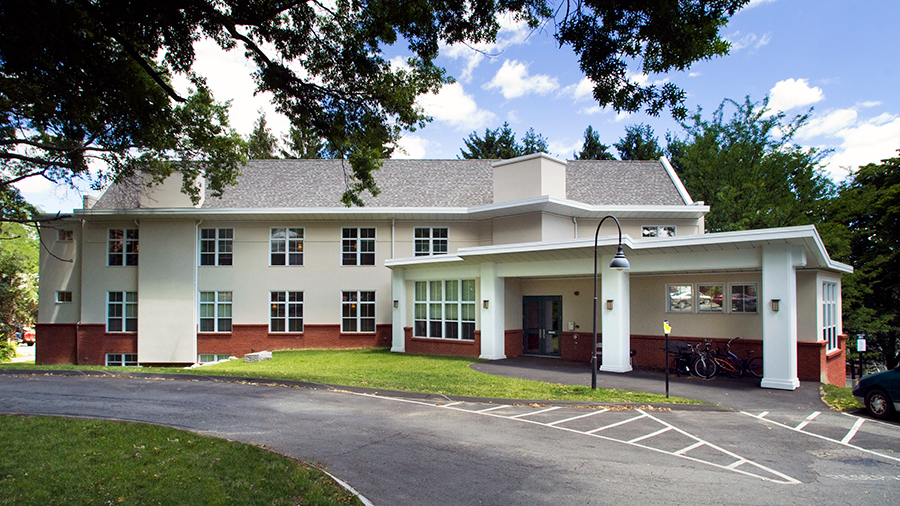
[411,147]
[513,81]
[792,93]
[864,142]
[829,124]
[456,107]
[584,90]
[511,33]
[757,3]
[694,74]
[739,42]
[564,150]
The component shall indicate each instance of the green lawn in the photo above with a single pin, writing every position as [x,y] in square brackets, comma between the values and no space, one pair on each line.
[839,398]
[380,369]
[47,461]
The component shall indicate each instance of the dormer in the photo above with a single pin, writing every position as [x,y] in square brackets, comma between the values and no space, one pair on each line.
[529,176]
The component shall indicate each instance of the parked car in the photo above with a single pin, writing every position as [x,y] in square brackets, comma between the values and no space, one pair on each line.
[28,336]
[880,392]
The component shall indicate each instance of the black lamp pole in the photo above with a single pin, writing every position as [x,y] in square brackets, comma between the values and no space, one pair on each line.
[618,263]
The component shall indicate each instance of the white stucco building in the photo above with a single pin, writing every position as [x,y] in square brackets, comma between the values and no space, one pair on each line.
[465,257]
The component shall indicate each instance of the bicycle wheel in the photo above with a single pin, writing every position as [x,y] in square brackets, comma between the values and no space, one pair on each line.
[732,367]
[704,366]
[755,366]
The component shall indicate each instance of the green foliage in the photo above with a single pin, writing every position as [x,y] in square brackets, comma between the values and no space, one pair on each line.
[68,461]
[869,210]
[7,346]
[839,398]
[593,149]
[748,171]
[91,80]
[501,144]
[19,251]
[303,143]
[639,143]
[261,143]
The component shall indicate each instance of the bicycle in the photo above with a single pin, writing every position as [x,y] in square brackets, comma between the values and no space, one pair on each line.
[703,364]
[729,363]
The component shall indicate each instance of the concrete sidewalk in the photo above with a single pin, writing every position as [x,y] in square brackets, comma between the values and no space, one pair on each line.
[739,394]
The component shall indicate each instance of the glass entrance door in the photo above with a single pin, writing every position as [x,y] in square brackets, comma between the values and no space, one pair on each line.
[542,322]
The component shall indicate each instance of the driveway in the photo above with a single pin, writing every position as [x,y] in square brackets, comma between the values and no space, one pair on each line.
[417,451]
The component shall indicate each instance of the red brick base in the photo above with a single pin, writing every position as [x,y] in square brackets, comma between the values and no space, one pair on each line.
[450,347]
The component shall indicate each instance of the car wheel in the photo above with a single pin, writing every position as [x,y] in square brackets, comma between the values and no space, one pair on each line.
[878,404]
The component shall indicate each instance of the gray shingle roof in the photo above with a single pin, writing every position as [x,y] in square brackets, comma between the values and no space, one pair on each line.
[427,183]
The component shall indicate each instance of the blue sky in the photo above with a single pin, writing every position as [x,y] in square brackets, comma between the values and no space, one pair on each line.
[838,57]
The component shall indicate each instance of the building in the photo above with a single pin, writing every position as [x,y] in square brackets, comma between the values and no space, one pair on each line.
[476,258]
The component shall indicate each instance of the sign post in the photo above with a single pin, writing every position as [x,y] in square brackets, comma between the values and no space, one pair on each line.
[667,329]
[860,348]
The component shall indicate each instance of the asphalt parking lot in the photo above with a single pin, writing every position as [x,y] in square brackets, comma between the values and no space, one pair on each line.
[399,449]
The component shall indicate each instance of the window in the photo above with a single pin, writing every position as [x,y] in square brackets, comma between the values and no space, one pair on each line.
[358,246]
[215,311]
[658,231]
[829,316]
[206,358]
[286,312]
[64,236]
[679,298]
[121,359]
[123,247]
[63,297]
[121,315]
[430,241]
[216,246]
[357,311]
[709,298]
[743,298]
[286,246]
[445,309]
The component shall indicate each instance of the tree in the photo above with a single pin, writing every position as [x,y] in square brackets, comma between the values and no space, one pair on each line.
[18,277]
[261,143]
[639,144]
[593,149]
[87,80]
[868,208]
[533,143]
[303,143]
[748,171]
[499,143]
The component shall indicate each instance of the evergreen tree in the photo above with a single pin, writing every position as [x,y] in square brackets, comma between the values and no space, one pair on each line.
[497,144]
[261,143]
[303,143]
[639,144]
[593,149]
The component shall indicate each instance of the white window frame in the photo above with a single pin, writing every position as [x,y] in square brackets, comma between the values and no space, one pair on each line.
[63,297]
[121,312]
[124,247]
[706,306]
[216,249]
[357,250]
[429,241]
[286,311]
[445,309]
[730,294]
[290,249]
[648,231]
[212,357]
[830,316]
[64,235]
[357,313]
[219,310]
[684,304]
[121,359]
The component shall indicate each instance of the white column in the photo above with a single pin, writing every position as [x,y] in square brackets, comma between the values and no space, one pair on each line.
[398,314]
[616,322]
[779,282]
[493,324]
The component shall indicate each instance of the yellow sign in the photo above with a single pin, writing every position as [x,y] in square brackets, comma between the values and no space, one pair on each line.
[667,328]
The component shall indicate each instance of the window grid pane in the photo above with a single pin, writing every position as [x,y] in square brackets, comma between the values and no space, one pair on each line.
[439,312]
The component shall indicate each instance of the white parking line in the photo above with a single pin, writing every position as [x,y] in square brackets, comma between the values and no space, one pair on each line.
[551,424]
[682,451]
[491,409]
[853,430]
[809,418]
[536,412]
[648,436]
[623,422]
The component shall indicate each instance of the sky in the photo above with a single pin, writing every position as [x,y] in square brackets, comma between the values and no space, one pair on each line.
[836,57]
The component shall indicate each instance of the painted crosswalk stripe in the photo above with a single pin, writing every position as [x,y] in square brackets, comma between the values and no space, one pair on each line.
[856,426]
[592,413]
[809,418]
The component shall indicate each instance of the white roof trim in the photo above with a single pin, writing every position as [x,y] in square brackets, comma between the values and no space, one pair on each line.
[676,180]
[500,163]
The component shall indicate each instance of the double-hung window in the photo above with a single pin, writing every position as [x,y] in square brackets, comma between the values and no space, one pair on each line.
[215,311]
[64,235]
[445,309]
[357,311]
[216,246]
[358,246]
[658,231]
[286,246]
[121,359]
[744,297]
[286,312]
[829,316]
[122,247]
[121,311]
[430,241]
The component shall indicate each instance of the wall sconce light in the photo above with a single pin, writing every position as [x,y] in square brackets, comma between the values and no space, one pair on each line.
[485,304]
[609,305]
[396,304]
[775,303]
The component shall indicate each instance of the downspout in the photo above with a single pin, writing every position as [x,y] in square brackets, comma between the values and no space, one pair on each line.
[575,222]
[393,225]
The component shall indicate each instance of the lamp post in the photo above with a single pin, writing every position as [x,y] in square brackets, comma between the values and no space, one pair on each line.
[618,263]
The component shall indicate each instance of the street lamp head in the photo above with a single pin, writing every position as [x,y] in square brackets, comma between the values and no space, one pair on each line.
[619,262]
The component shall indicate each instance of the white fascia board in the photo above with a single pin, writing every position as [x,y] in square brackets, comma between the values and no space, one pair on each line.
[602,241]
[500,163]
[582,210]
[676,181]
[423,260]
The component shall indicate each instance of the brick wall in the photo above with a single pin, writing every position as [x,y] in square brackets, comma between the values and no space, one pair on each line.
[814,364]
[452,347]
[55,343]
[246,338]
[513,343]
